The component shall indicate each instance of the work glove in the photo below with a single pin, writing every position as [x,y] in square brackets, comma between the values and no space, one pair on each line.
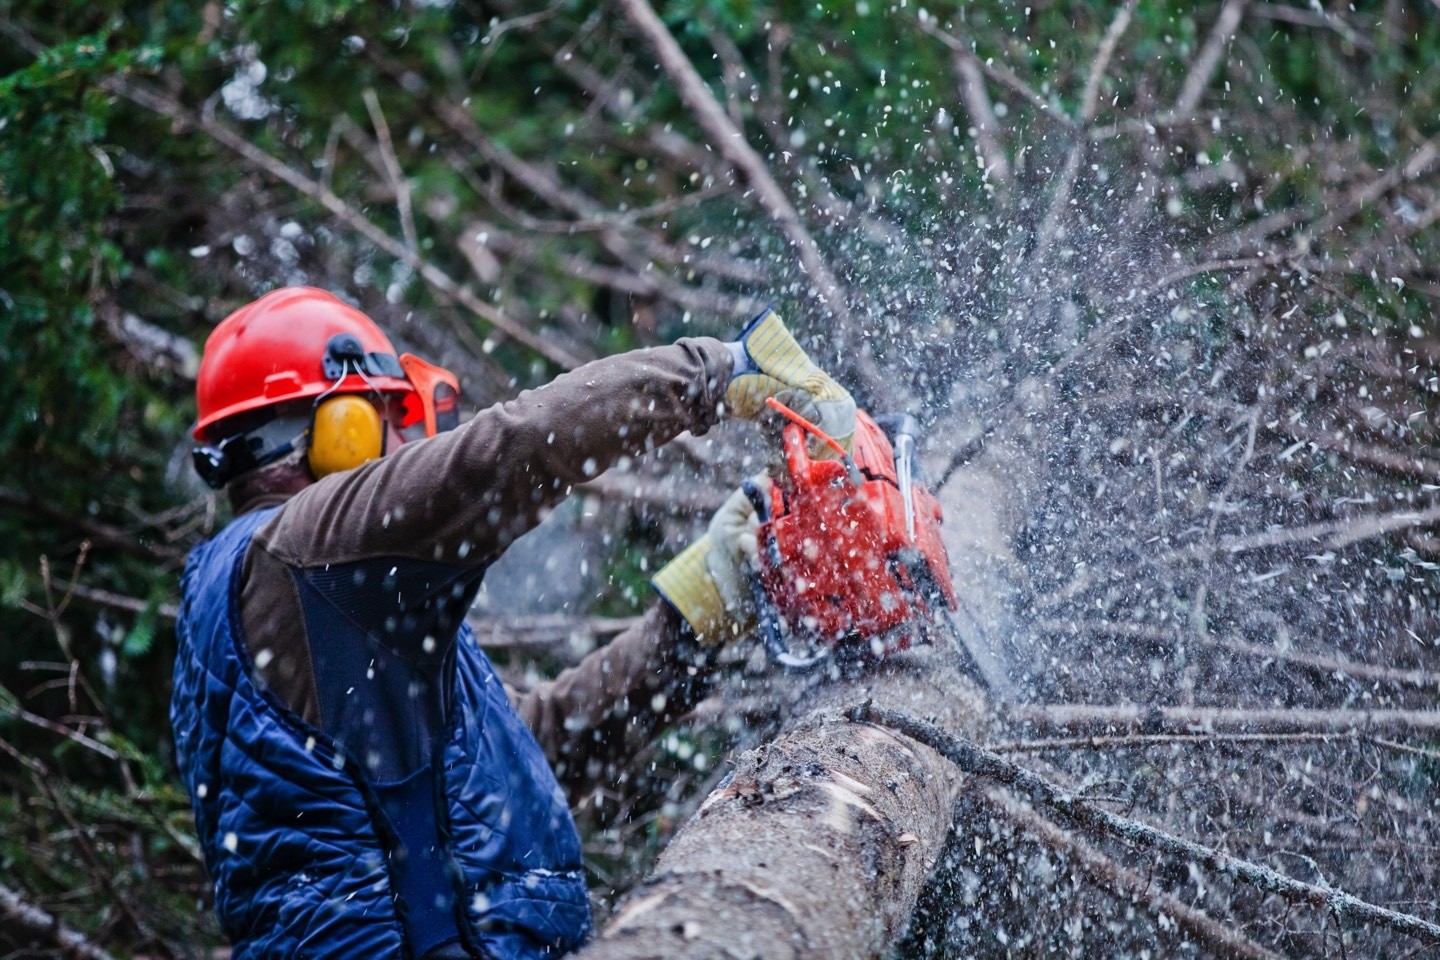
[709,582]
[776,366]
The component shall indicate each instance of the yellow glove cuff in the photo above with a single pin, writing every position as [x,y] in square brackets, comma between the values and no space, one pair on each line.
[687,585]
[776,355]
[776,364]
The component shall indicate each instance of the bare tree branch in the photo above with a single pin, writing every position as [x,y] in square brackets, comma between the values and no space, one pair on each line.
[28,920]
[392,169]
[118,601]
[989,766]
[977,103]
[1329,665]
[1049,229]
[1105,872]
[731,143]
[997,72]
[1141,741]
[1204,66]
[1330,534]
[440,281]
[1079,718]
[1090,99]
[1323,20]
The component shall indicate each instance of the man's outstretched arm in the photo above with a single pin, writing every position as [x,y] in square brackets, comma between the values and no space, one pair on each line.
[462,497]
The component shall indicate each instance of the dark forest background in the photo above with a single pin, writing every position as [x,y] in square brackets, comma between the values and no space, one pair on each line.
[1177,261]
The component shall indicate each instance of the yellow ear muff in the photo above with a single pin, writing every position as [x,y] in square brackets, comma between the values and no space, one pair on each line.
[345,432]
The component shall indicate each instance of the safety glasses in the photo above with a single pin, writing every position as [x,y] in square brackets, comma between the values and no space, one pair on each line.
[435,404]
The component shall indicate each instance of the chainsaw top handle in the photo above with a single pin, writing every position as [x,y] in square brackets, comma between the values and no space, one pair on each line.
[796,456]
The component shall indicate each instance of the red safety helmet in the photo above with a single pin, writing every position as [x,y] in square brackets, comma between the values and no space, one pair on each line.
[298,344]
[282,348]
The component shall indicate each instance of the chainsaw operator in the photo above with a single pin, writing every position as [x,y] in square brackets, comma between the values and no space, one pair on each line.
[363,784]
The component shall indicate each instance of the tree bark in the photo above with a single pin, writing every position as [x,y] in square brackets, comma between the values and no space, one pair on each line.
[820,842]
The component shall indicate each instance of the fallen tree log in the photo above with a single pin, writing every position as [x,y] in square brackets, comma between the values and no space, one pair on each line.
[819,843]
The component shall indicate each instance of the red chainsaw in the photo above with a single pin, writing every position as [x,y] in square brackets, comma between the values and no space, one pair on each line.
[850,559]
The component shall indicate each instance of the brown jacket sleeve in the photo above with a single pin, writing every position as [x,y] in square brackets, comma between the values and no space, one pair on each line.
[464,496]
[601,711]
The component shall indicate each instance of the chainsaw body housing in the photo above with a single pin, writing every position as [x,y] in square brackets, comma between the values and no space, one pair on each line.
[837,561]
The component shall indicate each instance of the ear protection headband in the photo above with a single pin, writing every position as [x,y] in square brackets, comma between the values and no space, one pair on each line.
[344,430]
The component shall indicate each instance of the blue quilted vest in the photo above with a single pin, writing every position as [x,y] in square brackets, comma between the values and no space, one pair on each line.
[297,839]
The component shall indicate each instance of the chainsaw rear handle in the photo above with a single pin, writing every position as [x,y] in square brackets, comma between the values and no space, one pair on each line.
[771,630]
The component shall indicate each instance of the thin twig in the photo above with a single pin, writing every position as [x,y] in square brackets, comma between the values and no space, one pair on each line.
[1081,718]
[1090,100]
[10,704]
[392,169]
[119,601]
[989,766]
[1209,58]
